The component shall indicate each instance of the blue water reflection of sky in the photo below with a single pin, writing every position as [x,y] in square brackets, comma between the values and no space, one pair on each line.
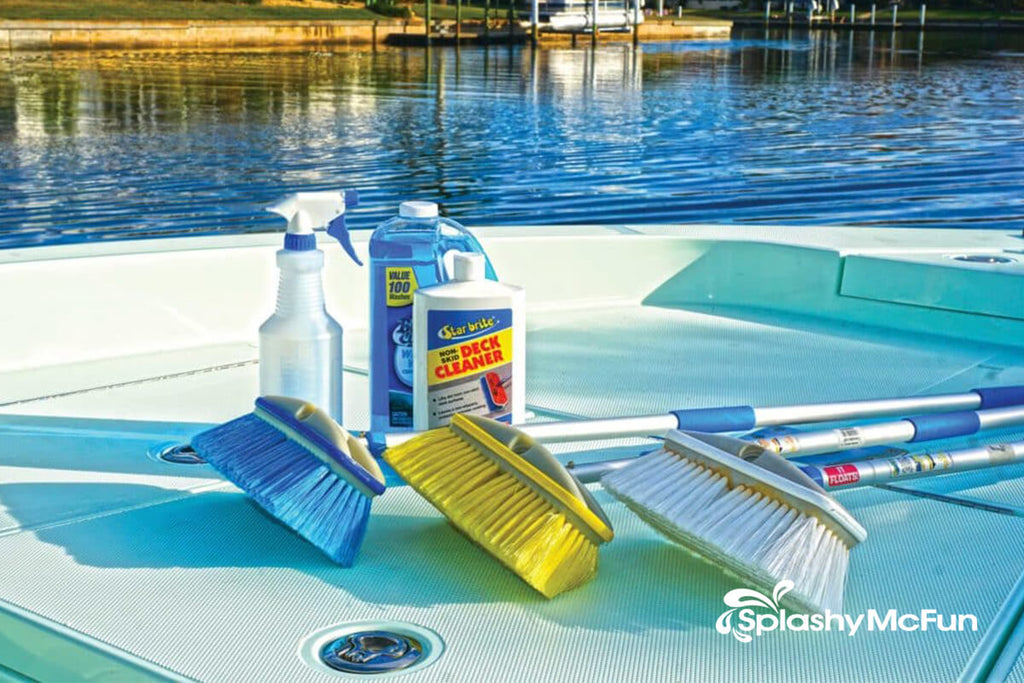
[862,129]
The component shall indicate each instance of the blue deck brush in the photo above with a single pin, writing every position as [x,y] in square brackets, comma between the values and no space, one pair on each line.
[302,468]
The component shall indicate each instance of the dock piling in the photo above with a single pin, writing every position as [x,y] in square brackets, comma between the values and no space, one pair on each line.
[895,13]
[458,21]
[593,23]
[768,11]
[872,14]
[853,14]
[534,21]
[426,21]
[920,19]
[636,22]
[487,22]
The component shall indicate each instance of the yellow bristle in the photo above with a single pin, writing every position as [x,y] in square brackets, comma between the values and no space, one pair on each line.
[510,520]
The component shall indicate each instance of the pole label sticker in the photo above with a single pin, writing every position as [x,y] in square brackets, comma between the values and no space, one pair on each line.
[841,475]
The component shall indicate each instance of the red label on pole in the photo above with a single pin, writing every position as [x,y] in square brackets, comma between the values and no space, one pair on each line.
[841,475]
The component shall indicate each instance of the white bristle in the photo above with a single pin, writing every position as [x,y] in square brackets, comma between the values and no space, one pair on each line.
[746,531]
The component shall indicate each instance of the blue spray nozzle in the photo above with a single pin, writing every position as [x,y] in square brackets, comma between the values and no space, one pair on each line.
[339,231]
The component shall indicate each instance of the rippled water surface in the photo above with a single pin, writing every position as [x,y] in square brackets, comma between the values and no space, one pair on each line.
[862,129]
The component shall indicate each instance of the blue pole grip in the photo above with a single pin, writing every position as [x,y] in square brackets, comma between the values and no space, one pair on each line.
[944,425]
[375,443]
[1000,397]
[814,473]
[725,419]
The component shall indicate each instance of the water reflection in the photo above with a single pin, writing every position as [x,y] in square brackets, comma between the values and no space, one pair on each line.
[828,127]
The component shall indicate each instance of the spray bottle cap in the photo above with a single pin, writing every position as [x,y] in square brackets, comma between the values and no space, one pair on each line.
[307,211]
[417,210]
[469,266]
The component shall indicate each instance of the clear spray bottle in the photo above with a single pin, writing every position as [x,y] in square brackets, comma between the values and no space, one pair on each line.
[301,344]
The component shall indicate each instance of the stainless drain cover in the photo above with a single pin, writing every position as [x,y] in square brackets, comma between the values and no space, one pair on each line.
[371,652]
[983,258]
[381,649]
[179,454]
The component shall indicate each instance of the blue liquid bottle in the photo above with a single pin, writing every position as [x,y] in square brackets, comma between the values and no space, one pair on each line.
[406,252]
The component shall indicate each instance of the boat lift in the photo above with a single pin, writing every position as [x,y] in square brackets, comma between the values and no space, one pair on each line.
[581,16]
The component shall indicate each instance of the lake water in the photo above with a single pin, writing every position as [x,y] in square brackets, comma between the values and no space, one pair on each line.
[821,128]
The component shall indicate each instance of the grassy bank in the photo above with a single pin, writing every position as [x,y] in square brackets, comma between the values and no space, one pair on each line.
[439,11]
[98,10]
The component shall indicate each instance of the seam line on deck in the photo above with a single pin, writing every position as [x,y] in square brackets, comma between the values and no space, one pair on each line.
[954,500]
[133,382]
[185,493]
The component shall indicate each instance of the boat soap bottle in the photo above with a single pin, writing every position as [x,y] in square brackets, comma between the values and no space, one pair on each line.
[407,252]
[469,345]
[301,344]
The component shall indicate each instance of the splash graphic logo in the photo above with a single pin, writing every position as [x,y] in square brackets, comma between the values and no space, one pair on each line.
[745,600]
[752,613]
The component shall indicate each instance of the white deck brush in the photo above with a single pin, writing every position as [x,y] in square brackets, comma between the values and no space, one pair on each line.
[747,510]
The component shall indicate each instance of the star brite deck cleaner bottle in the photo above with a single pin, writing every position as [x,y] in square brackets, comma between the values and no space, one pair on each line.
[412,250]
[469,341]
[300,344]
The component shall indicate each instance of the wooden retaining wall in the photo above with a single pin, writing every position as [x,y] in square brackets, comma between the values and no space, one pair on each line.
[60,35]
[36,35]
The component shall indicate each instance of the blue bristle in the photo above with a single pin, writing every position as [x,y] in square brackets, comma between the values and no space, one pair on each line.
[290,483]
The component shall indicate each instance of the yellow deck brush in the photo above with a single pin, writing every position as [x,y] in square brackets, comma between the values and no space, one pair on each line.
[509,495]
[746,510]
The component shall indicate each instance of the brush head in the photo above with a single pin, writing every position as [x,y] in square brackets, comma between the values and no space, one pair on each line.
[746,510]
[510,496]
[302,468]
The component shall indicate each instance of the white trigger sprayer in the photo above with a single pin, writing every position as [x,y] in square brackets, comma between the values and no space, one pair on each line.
[301,344]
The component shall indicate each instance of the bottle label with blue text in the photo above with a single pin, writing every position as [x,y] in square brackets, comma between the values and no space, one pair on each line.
[469,364]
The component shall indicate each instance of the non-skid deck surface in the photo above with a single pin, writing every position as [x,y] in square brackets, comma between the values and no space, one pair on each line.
[170,564]
[206,585]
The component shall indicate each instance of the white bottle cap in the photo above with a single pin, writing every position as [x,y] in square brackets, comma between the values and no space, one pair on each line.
[469,266]
[417,210]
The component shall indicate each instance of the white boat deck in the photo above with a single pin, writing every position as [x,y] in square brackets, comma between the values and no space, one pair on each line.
[116,563]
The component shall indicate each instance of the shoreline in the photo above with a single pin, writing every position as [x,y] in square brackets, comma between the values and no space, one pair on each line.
[51,34]
[56,34]
[18,35]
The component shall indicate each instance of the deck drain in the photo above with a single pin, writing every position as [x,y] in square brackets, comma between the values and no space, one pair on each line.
[378,649]
[371,652]
[177,454]
[991,259]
